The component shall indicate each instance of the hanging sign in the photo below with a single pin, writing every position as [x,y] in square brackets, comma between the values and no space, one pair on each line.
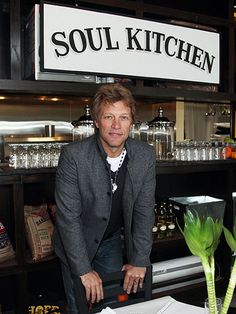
[76,40]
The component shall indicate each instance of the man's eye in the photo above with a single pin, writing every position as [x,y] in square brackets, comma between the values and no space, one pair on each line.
[124,118]
[108,117]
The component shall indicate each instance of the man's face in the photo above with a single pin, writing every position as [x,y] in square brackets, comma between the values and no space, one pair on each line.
[114,122]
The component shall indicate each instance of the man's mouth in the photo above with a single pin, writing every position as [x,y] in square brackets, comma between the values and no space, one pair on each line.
[115,134]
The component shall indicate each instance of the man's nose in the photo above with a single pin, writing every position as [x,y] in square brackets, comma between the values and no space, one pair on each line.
[116,123]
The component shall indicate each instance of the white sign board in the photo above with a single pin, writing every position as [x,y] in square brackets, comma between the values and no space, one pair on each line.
[77,40]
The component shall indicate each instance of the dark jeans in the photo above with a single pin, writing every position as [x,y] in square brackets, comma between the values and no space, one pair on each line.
[108,259]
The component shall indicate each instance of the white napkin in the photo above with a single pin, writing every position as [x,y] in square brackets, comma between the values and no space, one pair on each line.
[165,307]
[107,310]
[173,307]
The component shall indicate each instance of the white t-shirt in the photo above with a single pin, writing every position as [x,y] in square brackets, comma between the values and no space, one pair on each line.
[115,162]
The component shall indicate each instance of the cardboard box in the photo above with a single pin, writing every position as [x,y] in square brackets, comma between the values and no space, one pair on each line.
[204,205]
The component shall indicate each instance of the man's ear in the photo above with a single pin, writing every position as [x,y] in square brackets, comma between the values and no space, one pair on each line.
[96,124]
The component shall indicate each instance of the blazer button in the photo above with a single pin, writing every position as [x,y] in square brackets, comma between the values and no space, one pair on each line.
[104,219]
[96,241]
[109,193]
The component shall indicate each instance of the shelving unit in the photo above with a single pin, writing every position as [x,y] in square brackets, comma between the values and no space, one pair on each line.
[173,178]
[15,185]
[195,179]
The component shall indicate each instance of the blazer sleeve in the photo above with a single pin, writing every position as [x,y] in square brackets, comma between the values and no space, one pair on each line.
[143,216]
[68,216]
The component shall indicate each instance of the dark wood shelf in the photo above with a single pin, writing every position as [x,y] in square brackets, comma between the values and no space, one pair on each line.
[41,87]
[25,174]
[150,6]
[175,167]
[46,262]
[8,178]
[177,236]
[9,175]
[89,89]
[9,267]
[12,267]
[29,259]
[46,174]
[186,15]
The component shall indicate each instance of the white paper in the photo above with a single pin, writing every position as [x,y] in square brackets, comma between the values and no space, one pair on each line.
[108,310]
[165,305]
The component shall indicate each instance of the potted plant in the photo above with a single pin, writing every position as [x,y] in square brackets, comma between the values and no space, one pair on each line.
[202,236]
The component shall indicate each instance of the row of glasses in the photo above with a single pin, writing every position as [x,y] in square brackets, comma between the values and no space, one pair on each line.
[166,148]
[198,150]
[34,155]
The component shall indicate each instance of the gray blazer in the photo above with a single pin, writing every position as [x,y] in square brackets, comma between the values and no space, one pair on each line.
[83,197]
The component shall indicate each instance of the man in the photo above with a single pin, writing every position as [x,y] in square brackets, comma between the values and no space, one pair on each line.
[105,184]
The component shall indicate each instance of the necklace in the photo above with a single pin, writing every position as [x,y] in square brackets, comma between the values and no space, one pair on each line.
[114,185]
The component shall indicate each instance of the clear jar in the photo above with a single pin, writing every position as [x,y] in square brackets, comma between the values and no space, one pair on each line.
[164,139]
[82,130]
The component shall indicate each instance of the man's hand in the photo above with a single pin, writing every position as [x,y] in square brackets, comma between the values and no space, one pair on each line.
[93,286]
[134,277]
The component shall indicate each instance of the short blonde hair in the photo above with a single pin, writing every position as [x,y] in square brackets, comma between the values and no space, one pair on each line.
[111,93]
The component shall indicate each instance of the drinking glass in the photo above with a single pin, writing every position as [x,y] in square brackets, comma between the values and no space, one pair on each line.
[195,151]
[25,156]
[22,156]
[189,151]
[31,156]
[54,155]
[177,150]
[46,155]
[35,156]
[183,153]
[202,150]
[218,305]
[13,155]
[217,152]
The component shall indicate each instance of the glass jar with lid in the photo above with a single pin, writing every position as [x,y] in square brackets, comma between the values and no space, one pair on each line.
[164,135]
[83,127]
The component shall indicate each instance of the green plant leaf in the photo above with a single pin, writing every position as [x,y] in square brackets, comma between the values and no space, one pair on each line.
[230,239]
[202,235]
[234,228]
[217,230]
